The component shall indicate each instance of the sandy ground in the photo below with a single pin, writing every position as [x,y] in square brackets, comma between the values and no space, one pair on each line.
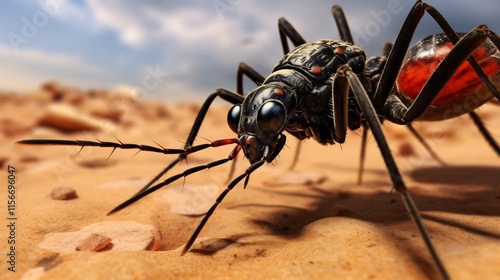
[327,228]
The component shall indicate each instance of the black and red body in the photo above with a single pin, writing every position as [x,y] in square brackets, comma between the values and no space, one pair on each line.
[463,93]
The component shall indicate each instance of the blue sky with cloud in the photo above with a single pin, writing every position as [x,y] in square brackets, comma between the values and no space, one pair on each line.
[183,50]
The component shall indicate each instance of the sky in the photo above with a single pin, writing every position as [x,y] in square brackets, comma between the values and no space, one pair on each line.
[184,50]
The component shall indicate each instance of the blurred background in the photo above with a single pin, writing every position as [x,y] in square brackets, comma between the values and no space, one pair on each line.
[183,50]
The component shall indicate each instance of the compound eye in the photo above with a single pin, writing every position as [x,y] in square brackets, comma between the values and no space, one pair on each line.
[271,116]
[233,118]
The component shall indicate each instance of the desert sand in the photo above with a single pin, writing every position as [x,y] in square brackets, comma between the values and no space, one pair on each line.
[314,222]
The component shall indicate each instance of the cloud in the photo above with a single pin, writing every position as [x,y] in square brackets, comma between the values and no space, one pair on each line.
[200,43]
[140,24]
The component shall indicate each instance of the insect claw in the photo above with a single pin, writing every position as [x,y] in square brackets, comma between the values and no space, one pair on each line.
[246,181]
[183,184]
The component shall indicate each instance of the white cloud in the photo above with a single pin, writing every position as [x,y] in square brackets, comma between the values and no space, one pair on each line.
[141,23]
[127,21]
[198,45]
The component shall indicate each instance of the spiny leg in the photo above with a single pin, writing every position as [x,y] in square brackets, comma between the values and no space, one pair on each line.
[219,199]
[345,75]
[267,155]
[226,95]
[127,146]
[174,178]
[190,171]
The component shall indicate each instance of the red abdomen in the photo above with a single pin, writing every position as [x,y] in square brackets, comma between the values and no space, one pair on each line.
[424,57]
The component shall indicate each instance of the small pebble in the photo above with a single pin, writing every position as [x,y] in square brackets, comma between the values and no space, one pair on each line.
[3,161]
[66,118]
[95,242]
[406,149]
[63,193]
[156,243]
[126,236]
[33,274]
[211,245]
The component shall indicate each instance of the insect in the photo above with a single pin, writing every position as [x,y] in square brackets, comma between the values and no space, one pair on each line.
[321,89]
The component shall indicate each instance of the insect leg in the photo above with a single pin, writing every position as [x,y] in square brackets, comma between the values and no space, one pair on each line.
[386,49]
[452,35]
[288,31]
[362,154]
[345,73]
[219,199]
[425,144]
[342,25]
[225,94]
[487,136]
[126,146]
[246,70]
[174,178]
[477,68]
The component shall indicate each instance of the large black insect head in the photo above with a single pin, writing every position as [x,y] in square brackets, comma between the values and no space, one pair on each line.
[260,120]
